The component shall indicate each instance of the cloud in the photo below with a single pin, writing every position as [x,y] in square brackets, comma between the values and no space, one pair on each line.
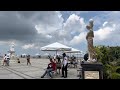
[61,31]
[74,23]
[81,38]
[102,33]
[106,34]
[49,22]
[104,23]
[34,29]
[28,46]
[72,27]
[48,36]
[13,27]
[20,26]
[27,26]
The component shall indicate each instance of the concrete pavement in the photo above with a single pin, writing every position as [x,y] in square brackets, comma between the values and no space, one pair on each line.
[34,71]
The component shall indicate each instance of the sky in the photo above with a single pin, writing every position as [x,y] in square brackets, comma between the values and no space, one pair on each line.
[31,30]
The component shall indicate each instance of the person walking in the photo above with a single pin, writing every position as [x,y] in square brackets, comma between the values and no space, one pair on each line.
[28,60]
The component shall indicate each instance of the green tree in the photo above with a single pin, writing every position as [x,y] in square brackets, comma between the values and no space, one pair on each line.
[110,58]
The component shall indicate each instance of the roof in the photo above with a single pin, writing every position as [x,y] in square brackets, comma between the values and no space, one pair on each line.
[56,47]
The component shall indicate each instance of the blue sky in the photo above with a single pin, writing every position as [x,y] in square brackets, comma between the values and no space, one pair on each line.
[30,30]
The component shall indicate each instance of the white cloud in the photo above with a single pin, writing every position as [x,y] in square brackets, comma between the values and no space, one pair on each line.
[48,36]
[103,33]
[3,42]
[51,21]
[78,39]
[73,26]
[28,46]
[74,23]
[105,23]
[107,35]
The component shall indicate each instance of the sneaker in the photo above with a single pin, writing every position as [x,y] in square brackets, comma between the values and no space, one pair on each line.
[51,77]
[62,76]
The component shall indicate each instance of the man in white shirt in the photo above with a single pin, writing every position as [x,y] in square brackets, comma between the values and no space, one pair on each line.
[64,65]
[5,60]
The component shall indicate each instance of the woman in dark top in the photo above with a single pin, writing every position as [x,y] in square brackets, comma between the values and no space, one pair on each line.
[58,63]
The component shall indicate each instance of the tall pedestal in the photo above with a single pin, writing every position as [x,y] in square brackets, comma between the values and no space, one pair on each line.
[13,58]
[92,67]
[13,61]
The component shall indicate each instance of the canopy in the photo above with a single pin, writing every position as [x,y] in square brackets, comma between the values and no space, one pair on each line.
[56,47]
[46,54]
[37,54]
[73,50]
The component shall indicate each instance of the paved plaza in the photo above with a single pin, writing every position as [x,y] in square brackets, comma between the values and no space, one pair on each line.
[34,71]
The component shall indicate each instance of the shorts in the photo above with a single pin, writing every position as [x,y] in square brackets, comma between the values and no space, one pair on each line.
[58,67]
[5,60]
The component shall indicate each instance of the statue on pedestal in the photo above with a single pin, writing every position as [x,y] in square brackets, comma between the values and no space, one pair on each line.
[12,47]
[89,38]
[12,50]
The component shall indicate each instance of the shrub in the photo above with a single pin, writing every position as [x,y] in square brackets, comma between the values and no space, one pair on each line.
[115,76]
[118,63]
[108,70]
[118,70]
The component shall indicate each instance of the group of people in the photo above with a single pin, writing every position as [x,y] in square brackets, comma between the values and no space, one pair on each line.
[56,64]
[6,60]
[73,61]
